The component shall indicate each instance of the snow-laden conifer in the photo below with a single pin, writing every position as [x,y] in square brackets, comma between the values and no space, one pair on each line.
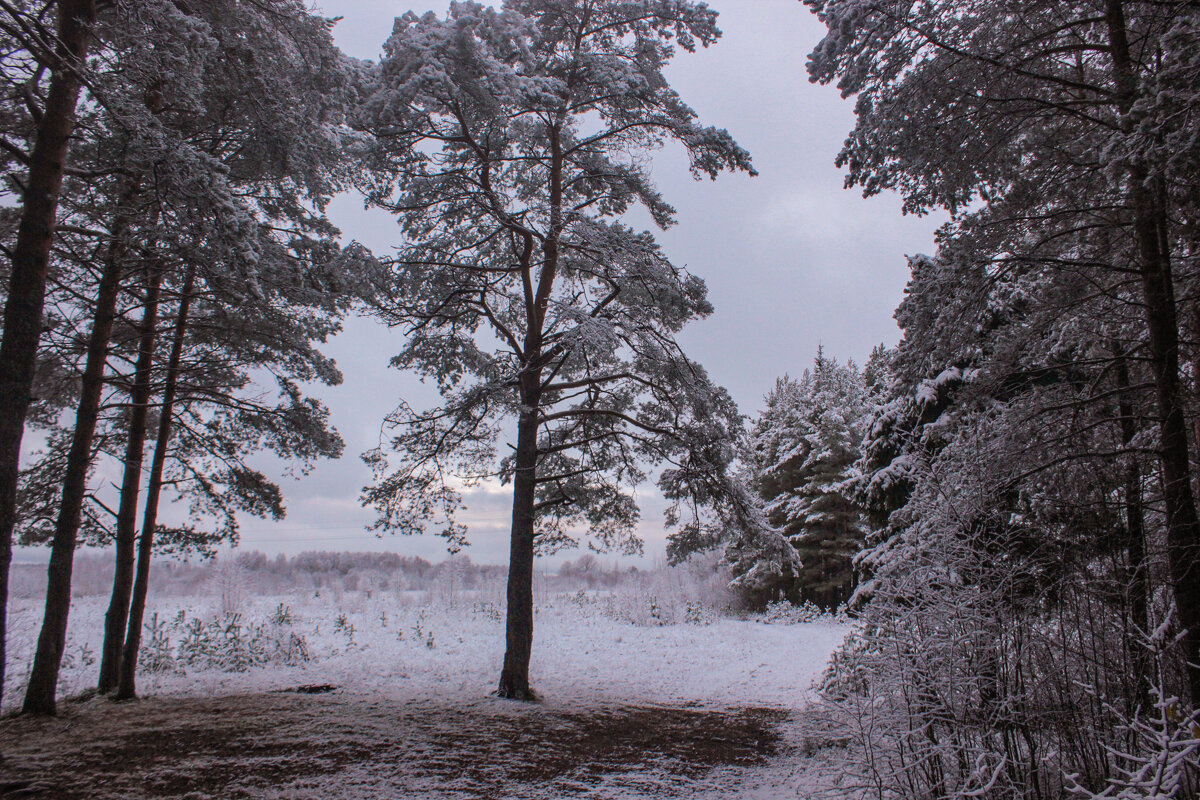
[1067,137]
[800,458]
[213,138]
[512,142]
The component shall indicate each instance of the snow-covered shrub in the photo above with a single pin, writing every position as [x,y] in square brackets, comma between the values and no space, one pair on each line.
[1159,758]
[782,612]
[157,654]
[491,611]
[282,615]
[695,613]
[1161,761]
[344,626]
[980,669]
[228,644]
[77,655]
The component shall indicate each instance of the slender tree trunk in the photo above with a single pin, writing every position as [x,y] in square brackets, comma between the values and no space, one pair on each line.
[1183,523]
[39,696]
[514,679]
[1196,372]
[135,448]
[30,262]
[1136,578]
[1158,296]
[127,678]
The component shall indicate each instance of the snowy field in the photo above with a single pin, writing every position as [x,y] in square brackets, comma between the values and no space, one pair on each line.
[641,698]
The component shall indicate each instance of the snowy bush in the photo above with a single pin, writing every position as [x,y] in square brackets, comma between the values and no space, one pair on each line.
[1162,761]
[950,689]
[782,612]
[1159,758]
[491,611]
[228,644]
[157,653]
[77,656]
[695,613]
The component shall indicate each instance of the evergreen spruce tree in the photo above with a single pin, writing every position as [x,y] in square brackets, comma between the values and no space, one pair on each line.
[802,453]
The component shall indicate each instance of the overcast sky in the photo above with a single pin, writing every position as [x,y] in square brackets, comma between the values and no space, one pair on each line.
[792,260]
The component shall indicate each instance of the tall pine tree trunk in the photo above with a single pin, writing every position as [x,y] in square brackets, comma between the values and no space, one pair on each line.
[1183,523]
[518,636]
[1137,579]
[135,448]
[30,262]
[127,677]
[39,696]
[1162,322]
[514,679]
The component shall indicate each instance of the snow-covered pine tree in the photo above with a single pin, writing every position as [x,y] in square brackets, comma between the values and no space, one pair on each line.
[236,111]
[512,141]
[244,322]
[800,456]
[49,99]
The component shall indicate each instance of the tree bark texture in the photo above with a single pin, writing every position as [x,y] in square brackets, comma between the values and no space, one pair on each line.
[514,678]
[135,448]
[1183,524]
[30,262]
[127,670]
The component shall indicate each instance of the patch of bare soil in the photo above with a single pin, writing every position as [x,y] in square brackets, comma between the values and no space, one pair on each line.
[302,746]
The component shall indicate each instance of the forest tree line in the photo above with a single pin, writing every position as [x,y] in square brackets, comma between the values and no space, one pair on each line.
[1028,575]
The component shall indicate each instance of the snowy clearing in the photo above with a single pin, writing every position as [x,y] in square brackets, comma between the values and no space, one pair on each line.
[700,709]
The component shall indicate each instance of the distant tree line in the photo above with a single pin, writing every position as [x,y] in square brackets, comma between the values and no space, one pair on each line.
[264,575]
[341,563]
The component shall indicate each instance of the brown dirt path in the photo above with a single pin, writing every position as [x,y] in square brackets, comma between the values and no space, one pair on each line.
[346,745]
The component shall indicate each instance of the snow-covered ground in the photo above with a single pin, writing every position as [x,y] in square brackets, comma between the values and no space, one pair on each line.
[407,645]
[697,708]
